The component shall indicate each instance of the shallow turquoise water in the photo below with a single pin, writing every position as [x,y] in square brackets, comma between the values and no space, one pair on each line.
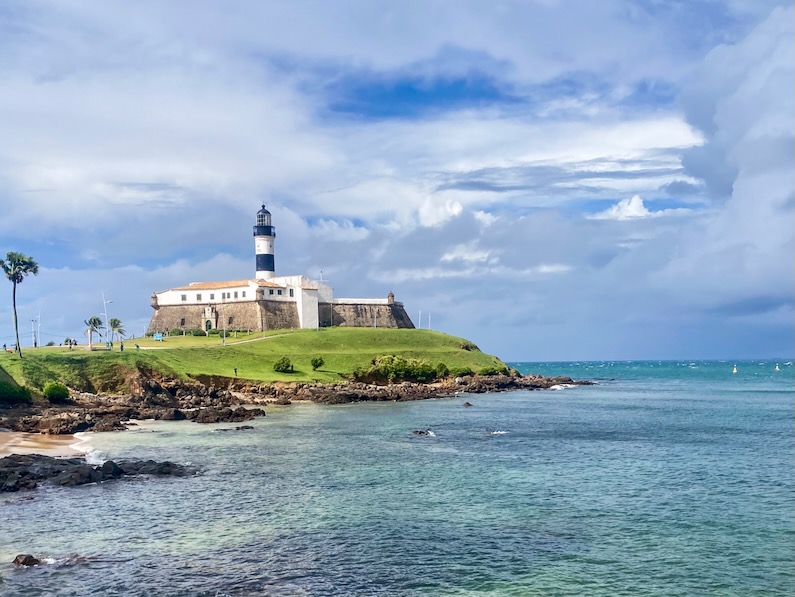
[664,479]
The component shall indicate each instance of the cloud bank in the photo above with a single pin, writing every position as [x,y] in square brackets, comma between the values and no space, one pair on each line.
[599,180]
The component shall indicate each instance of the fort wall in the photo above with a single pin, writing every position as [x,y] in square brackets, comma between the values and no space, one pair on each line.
[362,315]
[269,315]
[250,315]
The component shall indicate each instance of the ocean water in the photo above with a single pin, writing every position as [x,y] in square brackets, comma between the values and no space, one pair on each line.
[666,478]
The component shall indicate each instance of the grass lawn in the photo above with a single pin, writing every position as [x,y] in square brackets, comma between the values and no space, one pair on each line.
[342,349]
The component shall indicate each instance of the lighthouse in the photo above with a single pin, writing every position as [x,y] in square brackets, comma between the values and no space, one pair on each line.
[264,235]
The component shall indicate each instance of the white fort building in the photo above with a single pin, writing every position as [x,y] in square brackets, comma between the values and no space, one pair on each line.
[268,301]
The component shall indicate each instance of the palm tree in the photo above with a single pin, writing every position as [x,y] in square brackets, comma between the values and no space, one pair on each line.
[116,328]
[94,324]
[16,266]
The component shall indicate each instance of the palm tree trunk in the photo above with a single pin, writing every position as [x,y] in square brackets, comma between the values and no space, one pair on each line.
[16,323]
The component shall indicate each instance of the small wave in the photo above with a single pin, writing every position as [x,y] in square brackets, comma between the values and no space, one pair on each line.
[92,455]
[562,386]
[431,433]
[500,432]
[70,560]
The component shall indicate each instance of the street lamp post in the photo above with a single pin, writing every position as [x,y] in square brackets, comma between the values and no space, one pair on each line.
[107,329]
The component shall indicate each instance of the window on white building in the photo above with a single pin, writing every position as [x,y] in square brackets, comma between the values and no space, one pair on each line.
[279,292]
[244,294]
[198,297]
[184,297]
[291,292]
[212,296]
[235,293]
[270,291]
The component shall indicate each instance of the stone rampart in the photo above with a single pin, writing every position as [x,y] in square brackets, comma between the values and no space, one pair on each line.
[248,315]
[278,315]
[364,315]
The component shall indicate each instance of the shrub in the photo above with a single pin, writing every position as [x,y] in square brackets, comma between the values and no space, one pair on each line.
[317,363]
[283,365]
[176,332]
[10,394]
[493,370]
[467,345]
[461,372]
[50,343]
[55,391]
[391,368]
[197,332]
[442,371]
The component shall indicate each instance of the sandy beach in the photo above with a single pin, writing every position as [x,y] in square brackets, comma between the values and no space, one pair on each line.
[12,442]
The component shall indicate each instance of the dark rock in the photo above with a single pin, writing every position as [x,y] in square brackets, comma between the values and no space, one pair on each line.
[11,482]
[238,428]
[111,470]
[109,424]
[27,471]
[226,415]
[467,404]
[421,432]
[26,560]
[161,469]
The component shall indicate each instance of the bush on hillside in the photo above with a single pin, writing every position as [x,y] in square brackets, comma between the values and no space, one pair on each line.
[391,368]
[442,371]
[317,363]
[283,365]
[461,372]
[13,394]
[56,392]
[467,345]
[493,370]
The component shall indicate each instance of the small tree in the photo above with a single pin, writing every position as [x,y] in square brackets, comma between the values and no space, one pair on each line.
[283,365]
[94,325]
[116,328]
[317,363]
[16,266]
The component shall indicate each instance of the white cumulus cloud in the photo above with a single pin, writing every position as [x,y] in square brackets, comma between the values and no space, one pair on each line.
[633,209]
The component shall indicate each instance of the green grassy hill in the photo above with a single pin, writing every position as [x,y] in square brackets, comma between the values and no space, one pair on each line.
[342,349]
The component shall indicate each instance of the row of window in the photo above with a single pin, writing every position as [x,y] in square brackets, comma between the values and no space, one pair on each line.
[228,295]
[224,295]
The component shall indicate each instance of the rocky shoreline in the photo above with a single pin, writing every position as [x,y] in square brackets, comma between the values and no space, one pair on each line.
[217,400]
[28,471]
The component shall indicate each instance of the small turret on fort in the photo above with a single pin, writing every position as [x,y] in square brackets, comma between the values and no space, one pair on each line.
[264,236]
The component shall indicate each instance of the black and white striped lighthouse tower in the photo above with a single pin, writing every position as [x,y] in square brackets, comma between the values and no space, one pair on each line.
[264,235]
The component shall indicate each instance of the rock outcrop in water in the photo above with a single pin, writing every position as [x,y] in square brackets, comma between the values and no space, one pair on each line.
[27,471]
[25,559]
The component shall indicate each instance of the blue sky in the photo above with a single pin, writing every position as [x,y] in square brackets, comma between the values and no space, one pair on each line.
[553,180]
